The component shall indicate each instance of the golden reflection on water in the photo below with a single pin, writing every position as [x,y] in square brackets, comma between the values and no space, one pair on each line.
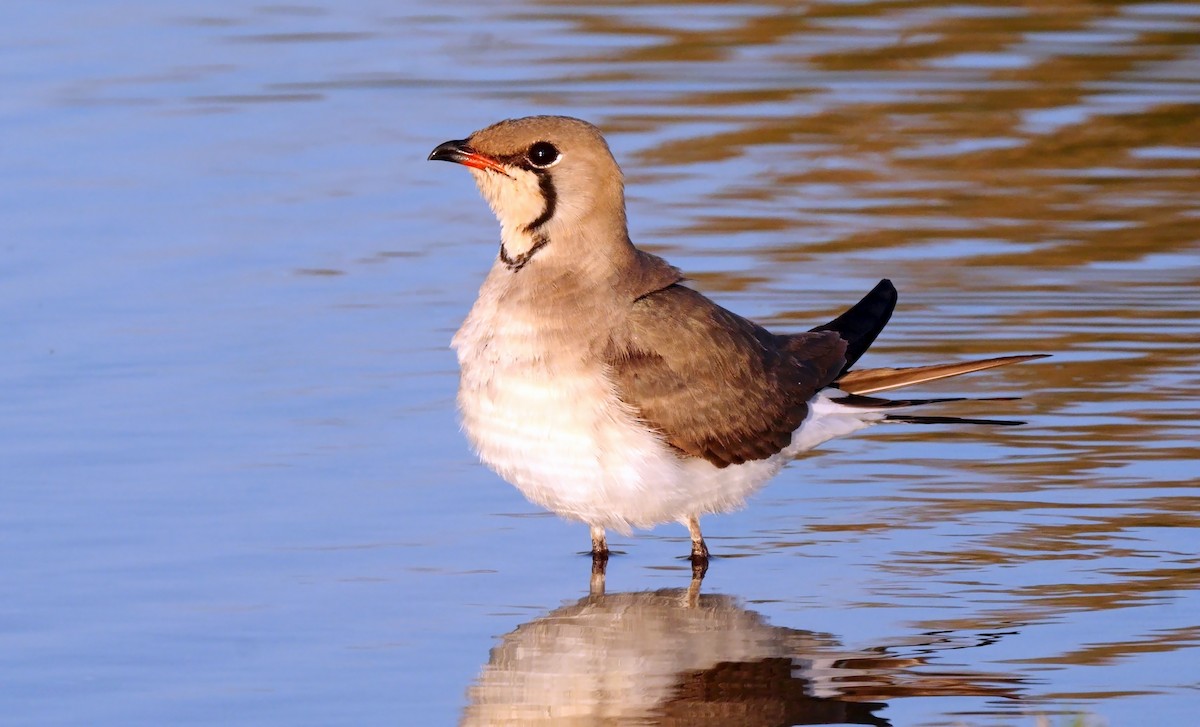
[1028,174]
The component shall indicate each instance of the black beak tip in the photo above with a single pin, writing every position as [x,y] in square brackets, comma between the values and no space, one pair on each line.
[449,151]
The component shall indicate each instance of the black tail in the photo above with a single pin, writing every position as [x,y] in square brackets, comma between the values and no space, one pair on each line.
[917,419]
[877,404]
[862,323]
[874,402]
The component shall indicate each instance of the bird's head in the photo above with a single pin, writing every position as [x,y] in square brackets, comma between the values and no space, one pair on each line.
[549,180]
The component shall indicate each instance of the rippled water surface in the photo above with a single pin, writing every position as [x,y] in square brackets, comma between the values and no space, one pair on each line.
[233,487]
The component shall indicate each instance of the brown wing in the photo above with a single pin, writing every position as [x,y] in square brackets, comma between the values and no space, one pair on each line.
[715,384]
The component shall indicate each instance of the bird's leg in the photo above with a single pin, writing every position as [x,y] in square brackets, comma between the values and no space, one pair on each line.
[599,560]
[599,543]
[699,549]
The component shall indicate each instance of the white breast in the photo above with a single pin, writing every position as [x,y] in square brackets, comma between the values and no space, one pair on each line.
[546,419]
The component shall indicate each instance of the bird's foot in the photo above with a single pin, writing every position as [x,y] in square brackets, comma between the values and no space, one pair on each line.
[599,544]
[699,548]
[699,558]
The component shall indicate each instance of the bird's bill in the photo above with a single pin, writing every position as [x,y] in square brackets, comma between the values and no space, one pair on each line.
[459,152]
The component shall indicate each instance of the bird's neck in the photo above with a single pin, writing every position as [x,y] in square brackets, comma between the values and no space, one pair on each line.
[593,245]
[518,245]
[578,272]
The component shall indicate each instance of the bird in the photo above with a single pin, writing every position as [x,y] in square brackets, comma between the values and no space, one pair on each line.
[607,390]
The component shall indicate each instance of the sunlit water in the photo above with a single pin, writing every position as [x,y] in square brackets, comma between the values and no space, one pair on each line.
[233,488]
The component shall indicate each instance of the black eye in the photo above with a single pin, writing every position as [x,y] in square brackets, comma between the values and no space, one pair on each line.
[543,154]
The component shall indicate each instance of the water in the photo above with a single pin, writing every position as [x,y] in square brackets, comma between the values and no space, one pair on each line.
[233,486]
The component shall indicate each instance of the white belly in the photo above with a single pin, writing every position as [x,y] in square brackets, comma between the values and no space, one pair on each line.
[562,440]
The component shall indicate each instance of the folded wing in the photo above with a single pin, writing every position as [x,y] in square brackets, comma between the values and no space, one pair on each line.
[716,385]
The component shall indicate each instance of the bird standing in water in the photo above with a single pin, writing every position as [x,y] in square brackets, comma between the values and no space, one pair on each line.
[609,392]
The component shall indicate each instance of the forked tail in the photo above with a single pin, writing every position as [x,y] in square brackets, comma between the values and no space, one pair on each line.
[857,384]
[859,326]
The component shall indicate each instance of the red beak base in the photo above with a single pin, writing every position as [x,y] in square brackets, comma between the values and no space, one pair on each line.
[460,152]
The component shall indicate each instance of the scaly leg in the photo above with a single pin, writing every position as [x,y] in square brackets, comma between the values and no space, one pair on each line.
[699,549]
[599,542]
[599,560]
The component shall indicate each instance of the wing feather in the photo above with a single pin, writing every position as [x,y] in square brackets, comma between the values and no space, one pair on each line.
[716,385]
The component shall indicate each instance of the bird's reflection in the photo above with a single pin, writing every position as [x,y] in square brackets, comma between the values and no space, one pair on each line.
[680,657]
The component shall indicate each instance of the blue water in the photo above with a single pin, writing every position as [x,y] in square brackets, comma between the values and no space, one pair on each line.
[233,487]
